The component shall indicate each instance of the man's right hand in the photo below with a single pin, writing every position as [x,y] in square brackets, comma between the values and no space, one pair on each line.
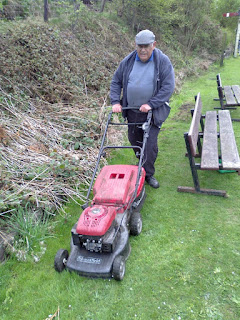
[117,108]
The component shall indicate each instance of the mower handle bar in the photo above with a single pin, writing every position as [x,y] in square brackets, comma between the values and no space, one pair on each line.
[149,113]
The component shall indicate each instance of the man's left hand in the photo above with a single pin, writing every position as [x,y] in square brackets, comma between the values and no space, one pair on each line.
[145,108]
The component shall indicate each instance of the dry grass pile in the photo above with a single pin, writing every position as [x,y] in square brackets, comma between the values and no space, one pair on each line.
[53,94]
[47,153]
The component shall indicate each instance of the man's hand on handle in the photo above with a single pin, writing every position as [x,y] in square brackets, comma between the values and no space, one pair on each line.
[117,108]
[145,108]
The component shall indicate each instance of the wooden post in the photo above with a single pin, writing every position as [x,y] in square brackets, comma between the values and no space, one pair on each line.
[237,39]
[234,14]
[223,49]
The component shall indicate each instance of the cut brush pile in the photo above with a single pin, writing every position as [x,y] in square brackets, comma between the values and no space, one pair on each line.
[53,94]
[45,155]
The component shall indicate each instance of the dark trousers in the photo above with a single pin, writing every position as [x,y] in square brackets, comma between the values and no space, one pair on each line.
[135,136]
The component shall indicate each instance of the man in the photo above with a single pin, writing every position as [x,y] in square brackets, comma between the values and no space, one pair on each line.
[146,80]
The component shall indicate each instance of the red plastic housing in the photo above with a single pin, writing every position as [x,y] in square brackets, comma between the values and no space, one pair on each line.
[113,190]
[115,185]
[96,220]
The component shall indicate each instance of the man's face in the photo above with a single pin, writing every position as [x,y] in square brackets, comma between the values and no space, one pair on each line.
[145,51]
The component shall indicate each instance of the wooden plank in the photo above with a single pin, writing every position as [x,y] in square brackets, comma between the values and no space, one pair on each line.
[229,151]
[209,159]
[236,90]
[219,81]
[230,100]
[194,128]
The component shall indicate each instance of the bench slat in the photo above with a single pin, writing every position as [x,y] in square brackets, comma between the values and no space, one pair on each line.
[230,100]
[194,128]
[209,159]
[230,156]
[236,90]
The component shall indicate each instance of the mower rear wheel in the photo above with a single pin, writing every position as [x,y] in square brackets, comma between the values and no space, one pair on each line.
[135,223]
[60,260]
[119,267]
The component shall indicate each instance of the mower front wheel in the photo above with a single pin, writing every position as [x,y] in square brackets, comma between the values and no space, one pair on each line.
[135,223]
[60,260]
[119,266]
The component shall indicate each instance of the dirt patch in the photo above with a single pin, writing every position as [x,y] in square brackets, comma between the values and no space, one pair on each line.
[184,112]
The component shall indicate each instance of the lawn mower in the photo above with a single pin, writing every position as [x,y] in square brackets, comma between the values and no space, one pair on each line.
[100,239]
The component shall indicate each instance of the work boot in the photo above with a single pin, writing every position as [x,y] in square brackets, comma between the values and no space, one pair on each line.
[152,182]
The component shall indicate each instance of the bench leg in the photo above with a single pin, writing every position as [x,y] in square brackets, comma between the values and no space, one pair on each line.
[213,192]
[228,108]
[236,119]
[197,188]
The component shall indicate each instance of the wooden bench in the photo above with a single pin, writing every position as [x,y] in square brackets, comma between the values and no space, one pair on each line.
[217,150]
[229,96]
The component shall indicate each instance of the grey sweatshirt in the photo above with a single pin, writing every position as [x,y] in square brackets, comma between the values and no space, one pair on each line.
[164,84]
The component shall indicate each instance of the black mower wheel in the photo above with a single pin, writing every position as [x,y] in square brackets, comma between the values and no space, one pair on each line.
[135,223]
[119,267]
[60,260]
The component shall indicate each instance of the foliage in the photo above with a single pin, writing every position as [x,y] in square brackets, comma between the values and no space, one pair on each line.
[193,27]
[51,77]
[56,66]
[221,7]
[12,9]
[185,23]
[54,87]
[154,14]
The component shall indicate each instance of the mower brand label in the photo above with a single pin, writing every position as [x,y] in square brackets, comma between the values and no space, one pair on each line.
[88,260]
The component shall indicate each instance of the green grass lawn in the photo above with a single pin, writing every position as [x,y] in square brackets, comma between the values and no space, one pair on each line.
[184,265]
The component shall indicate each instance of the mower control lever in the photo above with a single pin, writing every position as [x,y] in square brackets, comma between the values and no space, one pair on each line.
[145,126]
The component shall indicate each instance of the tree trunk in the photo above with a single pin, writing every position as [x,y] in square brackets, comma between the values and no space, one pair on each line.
[102,5]
[46,10]
[121,10]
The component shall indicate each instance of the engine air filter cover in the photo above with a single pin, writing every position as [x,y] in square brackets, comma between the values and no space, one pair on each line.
[95,220]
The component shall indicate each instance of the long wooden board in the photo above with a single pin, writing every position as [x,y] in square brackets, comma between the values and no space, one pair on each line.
[209,159]
[194,128]
[230,100]
[236,90]
[229,151]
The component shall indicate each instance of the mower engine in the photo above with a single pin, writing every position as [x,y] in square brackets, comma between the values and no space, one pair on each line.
[96,229]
